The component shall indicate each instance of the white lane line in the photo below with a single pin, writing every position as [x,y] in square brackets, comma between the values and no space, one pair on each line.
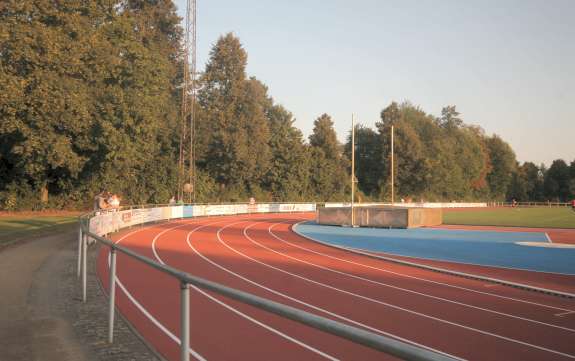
[395,287]
[357,251]
[156,322]
[305,303]
[398,307]
[564,313]
[236,311]
[548,238]
[144,310]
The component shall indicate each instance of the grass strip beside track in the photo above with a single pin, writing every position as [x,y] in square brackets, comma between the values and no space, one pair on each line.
[536,217]
[15,228]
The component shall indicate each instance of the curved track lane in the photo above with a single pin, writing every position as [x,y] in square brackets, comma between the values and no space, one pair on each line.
[260,254]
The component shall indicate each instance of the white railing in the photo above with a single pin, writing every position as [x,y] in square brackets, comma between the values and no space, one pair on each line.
[96,224]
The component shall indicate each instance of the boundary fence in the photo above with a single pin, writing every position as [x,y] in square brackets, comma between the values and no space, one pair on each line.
[529,204]
[95,225]
[411,204]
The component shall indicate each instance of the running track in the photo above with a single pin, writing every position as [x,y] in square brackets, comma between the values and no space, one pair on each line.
[260,254]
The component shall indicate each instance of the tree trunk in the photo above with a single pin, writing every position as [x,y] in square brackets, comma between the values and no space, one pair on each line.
[44,194]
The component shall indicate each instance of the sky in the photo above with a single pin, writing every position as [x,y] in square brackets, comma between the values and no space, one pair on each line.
[508,66]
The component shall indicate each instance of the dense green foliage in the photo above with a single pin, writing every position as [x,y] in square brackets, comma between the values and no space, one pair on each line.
[444,159]
[90,94]
[87,100]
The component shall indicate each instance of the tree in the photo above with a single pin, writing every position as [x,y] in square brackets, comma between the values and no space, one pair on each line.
[237,151]
[324,137]
[288,174]
[503,163]
[557,181]
[517,189]
[533,178]
[44,97]
[450,118]
[367,159]
[327,165]
[88,96]
[410,164]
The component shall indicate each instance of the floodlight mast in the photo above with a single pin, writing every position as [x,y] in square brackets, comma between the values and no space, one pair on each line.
[188,105]
[193,98]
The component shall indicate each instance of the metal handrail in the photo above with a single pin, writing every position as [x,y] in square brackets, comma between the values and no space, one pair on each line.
[357,335]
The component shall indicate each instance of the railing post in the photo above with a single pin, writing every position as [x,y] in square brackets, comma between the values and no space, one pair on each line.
[111,300]
[185,322]
[84,253]
[80,236]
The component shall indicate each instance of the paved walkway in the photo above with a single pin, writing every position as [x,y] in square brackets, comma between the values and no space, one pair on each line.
[41,315]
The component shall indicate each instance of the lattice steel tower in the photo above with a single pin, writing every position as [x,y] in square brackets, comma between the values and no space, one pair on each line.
[188,173]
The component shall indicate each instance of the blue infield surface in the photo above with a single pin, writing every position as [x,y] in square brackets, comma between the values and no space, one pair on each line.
[486,248]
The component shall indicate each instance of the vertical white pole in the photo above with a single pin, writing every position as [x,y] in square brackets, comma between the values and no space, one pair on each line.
[112,298]
[80,236]
[352,169]
[185,322]
[392,169]
[84,253]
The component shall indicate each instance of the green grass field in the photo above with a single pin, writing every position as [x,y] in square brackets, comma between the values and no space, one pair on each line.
[15,228]
[515,217]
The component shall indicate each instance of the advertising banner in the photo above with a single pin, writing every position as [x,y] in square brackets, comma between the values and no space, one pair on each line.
[166,213]
[125,218]
[108,222]
[177,211]
[241,208]
[153,214]
[138,216]
[96,225]
[252,208]
[187,211]
[304,207]
[263,208]
[198,211]
[287,207]
[216,210]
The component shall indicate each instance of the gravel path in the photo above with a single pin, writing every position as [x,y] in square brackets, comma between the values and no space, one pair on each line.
[41,313]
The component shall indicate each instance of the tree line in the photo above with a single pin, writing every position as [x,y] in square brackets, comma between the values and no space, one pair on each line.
[90,96]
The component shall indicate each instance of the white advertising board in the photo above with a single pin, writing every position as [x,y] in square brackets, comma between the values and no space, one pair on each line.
[198,211]
[108,222]
[177,211]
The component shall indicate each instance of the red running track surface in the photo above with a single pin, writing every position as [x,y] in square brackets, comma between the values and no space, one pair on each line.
[260,254]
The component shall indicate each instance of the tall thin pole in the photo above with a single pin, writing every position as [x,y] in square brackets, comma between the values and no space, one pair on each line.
[193,98]
[188,103]
[352,168]
[392,169]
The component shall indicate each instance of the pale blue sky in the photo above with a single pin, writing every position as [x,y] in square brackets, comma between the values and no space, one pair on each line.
[508,66]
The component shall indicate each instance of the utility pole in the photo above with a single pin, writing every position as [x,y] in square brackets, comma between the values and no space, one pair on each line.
[352,168]
[392,168]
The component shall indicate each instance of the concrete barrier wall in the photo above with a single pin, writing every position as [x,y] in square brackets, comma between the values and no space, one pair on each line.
[381,217]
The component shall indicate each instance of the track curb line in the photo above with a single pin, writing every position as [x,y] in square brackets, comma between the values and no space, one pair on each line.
[548,291]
